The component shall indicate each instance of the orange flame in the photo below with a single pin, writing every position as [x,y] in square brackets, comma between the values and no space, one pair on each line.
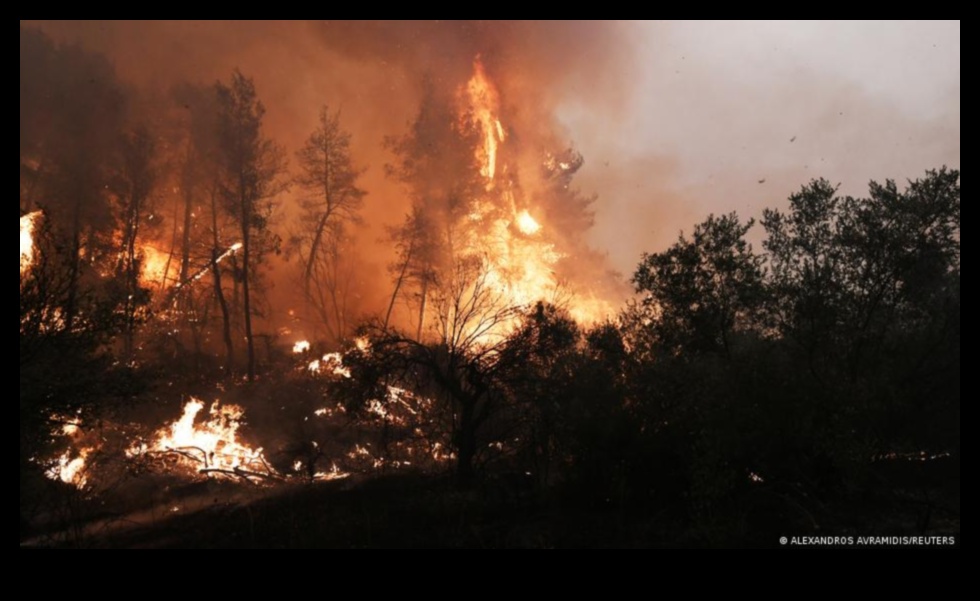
[527,224]
[154,265]
[27,224]
[485,104]
[332,362]
[210,445]
[520,266]
[70,470]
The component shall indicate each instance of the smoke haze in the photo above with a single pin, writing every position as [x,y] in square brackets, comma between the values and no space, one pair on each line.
[674,120]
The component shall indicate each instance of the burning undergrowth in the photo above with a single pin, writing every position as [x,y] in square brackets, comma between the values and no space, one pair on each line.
[292,430]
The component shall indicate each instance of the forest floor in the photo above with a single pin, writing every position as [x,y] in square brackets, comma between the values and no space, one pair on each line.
[420,511]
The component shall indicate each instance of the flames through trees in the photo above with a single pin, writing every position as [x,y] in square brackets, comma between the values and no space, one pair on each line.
[219,292]
[473,253]
[472,218]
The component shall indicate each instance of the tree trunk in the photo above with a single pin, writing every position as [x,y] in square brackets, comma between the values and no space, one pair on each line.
[465,445]
[225,318]
[314,248]
[218,291]
[425,290]
[185,247]
[132,275]
[318,235]
[173,247]
[398,282]
[76,249]
[246,299]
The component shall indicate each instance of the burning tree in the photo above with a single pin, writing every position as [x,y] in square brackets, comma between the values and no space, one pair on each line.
[463,174]
[471,259]
[251,166]
[71,119]
[197,181]
[330,205]
[437,165]
[84,187]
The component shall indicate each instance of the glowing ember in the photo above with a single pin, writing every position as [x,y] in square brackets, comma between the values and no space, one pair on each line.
[333,474]
[27,224]
[920,456]
[301,346]
[527,224]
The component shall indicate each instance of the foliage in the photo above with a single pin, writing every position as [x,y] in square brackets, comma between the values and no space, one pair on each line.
[701,292]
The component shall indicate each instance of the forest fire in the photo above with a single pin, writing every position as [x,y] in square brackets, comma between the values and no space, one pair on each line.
[407,284]
[516,257]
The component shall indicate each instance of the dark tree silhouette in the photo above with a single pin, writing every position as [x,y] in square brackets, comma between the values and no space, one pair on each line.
[702,290]
[252,168]
[137,179]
